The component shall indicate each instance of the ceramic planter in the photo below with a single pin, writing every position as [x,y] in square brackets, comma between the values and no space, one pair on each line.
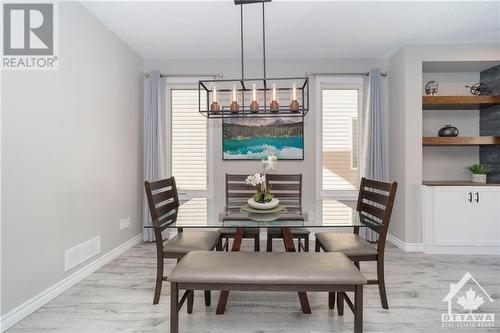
[479,178]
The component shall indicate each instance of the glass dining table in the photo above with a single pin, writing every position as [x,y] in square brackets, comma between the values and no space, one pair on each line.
[326,213]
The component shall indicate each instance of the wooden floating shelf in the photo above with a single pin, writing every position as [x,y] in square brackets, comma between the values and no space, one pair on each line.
[458,102]
[456,183]
[461,141]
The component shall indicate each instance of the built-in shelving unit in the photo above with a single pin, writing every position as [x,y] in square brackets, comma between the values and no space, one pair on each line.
[461,141]
[458,102]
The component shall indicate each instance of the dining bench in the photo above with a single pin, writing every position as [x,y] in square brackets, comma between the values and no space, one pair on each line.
[266,271]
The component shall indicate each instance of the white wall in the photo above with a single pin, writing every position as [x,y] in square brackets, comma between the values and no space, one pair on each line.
[405,112]
[71,155]
[276,68]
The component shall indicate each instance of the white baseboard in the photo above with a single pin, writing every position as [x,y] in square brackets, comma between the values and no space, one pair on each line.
[33,304]
[464,250]
[406,247]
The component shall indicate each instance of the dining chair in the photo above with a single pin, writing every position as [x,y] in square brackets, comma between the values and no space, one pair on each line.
[288,189]
[163,202]
[374,207]
[237,194]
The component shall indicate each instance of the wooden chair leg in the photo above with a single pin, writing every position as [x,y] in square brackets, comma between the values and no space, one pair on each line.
[358,309]
[340,303]
[256,243]
[331,300]
[317,247]
[218,247]
[300,246]
[356,263]
[190,302]
[381,283]
[159,280]
[306,243]
[208,298]
[269,246]
[174,308]
[227,244]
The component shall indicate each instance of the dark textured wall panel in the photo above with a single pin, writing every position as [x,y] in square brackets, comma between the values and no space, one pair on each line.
[489,124]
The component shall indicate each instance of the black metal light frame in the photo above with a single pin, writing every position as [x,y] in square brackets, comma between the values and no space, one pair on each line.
[244,87]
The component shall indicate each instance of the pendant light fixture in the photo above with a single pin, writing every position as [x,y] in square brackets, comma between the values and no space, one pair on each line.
[260,97]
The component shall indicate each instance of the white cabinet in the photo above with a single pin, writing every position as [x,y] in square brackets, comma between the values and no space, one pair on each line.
[461,219]
[486,216]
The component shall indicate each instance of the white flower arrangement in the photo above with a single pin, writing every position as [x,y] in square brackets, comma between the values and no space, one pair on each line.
[263,194]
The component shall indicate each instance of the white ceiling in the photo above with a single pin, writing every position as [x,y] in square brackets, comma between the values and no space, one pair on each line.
[294,29]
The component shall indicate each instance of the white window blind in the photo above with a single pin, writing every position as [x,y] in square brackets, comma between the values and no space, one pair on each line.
[340,139]
[189,141]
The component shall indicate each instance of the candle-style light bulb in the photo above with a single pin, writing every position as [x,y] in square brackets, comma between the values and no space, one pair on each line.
[275,105]
[214,94]
[294,92]
[254,93]
[234,93]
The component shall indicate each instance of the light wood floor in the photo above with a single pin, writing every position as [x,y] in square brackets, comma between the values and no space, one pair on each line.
[118,298]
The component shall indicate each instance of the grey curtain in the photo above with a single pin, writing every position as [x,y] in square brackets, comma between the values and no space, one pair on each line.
[374,127]
[374,154]
[154,140]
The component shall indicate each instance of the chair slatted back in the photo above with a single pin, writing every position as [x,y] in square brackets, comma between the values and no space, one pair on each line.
[287,188]
[163,201]
[237,192]
[375,202]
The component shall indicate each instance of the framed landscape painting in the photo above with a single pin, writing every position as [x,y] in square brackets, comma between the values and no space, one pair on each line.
[256,138]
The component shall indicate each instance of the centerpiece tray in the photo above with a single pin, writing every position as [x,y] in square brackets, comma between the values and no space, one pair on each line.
[277,209]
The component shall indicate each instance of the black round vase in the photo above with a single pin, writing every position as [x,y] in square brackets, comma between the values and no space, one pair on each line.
[448,130]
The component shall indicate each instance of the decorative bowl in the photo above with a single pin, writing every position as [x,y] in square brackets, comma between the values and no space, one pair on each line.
[266,205]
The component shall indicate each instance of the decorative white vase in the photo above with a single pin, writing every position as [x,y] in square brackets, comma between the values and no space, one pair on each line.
[477,178]
[266,205]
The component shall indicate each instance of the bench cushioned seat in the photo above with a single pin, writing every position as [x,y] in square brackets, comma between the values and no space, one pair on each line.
[293,231]
[349,244]
[266,268]
[188,241]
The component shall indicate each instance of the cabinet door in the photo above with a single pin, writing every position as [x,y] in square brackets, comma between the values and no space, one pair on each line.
[486,212]
[453,216]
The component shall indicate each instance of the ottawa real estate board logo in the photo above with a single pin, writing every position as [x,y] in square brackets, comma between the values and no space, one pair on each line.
[30,36]
[469,296]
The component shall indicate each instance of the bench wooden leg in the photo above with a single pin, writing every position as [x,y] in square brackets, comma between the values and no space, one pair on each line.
[358,309]
[174,308]
[224,294]
[208,298]
[290,247]
[331,300]
[340,303]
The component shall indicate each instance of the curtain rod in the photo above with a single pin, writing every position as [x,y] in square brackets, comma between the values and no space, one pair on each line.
[217,75]
[383,74]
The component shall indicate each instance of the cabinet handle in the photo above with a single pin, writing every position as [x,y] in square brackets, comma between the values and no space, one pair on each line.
[477,197]
[470,196]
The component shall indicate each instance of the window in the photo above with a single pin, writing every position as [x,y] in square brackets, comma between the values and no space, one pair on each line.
[189,142]
[340,137]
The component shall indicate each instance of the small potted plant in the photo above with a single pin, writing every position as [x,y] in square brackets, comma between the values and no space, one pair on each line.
[479,172]
[262,199]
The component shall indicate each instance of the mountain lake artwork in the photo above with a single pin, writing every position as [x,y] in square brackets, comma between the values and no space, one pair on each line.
[257,138]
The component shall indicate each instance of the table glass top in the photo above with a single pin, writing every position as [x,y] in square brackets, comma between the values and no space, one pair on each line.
[327,212]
